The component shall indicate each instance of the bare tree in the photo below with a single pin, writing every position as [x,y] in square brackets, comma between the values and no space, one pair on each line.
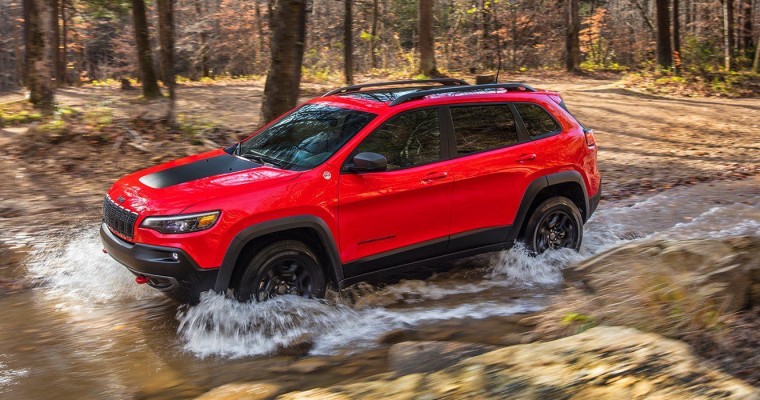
[747,26]
[348,40]
[756,64]
[572,36]
[150,88]
[728,34]
[38,41]
[166,37]
[373,33]
[664,50]
[676,36]
[55,38]
[284,78]
[427,43]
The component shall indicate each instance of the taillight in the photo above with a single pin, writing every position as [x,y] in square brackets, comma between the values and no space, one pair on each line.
[589,134]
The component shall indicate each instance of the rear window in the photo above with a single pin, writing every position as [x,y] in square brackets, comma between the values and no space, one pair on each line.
[537,121]
[481,128]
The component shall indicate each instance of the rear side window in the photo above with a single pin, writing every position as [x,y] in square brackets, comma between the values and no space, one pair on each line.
[537,121]
[481,128]
[407,140]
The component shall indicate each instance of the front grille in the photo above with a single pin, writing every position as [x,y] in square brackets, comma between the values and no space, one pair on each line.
[119,219]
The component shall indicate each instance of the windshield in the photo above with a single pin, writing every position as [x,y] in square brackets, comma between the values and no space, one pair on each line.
[305,138]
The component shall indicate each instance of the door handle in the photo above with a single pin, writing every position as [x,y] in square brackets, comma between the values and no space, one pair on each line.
[434,176]
[526,157]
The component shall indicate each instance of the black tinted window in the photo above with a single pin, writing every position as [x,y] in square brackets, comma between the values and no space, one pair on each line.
[487,127]
[306,137]
[412,138]
[537,121]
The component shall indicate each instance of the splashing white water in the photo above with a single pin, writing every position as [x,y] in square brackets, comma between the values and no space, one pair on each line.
[222,326]
[10,376]
[79,270]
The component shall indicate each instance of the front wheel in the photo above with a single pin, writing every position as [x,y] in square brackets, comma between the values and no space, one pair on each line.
[281,268]
[556,223]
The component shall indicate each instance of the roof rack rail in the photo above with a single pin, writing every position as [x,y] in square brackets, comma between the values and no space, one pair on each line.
[471,88]
[356,88]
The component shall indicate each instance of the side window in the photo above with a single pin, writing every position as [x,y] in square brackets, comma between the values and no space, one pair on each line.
[479,128]
[537,121]
[409,139]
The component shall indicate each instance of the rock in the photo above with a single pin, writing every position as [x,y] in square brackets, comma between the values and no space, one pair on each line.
[242,391]
[716,273]
[413,357]
[398,336]
[309,365]
[603,362]
[299,347]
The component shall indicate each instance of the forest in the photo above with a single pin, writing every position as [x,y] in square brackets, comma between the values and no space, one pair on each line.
[45,44]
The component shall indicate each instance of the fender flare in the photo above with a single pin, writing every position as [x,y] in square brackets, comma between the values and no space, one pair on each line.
[334,269]
[536,186]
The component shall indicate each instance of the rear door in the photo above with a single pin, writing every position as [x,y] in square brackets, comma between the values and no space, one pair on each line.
[400,215]
[493,162]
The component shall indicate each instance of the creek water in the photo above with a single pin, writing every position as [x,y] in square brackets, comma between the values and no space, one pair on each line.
[86,330]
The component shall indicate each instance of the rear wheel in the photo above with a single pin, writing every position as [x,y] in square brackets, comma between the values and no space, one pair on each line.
[281,268]
[556,223]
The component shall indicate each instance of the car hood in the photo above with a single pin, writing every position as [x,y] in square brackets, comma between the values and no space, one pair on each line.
[172,187]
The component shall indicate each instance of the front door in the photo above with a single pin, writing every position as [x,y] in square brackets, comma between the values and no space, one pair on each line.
[400,215]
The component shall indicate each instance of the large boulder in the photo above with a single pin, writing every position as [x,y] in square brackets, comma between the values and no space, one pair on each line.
[715,275]
[601,363]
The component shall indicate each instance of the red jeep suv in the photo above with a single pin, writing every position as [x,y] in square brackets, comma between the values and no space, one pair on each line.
[364,180]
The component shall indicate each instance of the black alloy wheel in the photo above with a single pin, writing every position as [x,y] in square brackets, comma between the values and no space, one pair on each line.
[287,267]
[556,223]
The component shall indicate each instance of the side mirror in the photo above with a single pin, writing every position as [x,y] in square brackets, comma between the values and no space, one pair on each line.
[368,162]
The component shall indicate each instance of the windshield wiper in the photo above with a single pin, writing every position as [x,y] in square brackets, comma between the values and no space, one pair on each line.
[263,159]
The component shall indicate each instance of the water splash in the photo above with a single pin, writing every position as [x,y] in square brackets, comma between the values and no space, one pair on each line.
[8,376]
[77,269]
[224,327]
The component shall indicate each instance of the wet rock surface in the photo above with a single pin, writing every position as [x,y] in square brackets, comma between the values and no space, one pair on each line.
[413,357]
[604,362]
[720,275]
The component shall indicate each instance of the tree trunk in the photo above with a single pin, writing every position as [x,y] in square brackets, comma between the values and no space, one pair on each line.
[37,17]
[572,37]
[55,40]
[664,50]
[728,34]
[64,46]
[747,28]
[348,44]
[373,33]
[262,40]
[676,37]
[756,64]
[150,88]
[427,43]
[203,38]
[284,78]
[166,37]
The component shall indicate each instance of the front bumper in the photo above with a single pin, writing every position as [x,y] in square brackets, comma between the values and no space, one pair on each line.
[178,277]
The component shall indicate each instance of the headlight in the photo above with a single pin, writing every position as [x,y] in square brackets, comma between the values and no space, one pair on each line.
[181,223]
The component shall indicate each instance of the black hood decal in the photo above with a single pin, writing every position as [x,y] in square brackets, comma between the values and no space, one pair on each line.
[223,164]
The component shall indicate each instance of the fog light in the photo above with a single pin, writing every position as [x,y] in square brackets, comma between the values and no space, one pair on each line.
[175,256]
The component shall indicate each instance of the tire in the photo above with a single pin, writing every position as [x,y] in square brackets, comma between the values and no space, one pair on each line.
[555,223]
[284,267]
